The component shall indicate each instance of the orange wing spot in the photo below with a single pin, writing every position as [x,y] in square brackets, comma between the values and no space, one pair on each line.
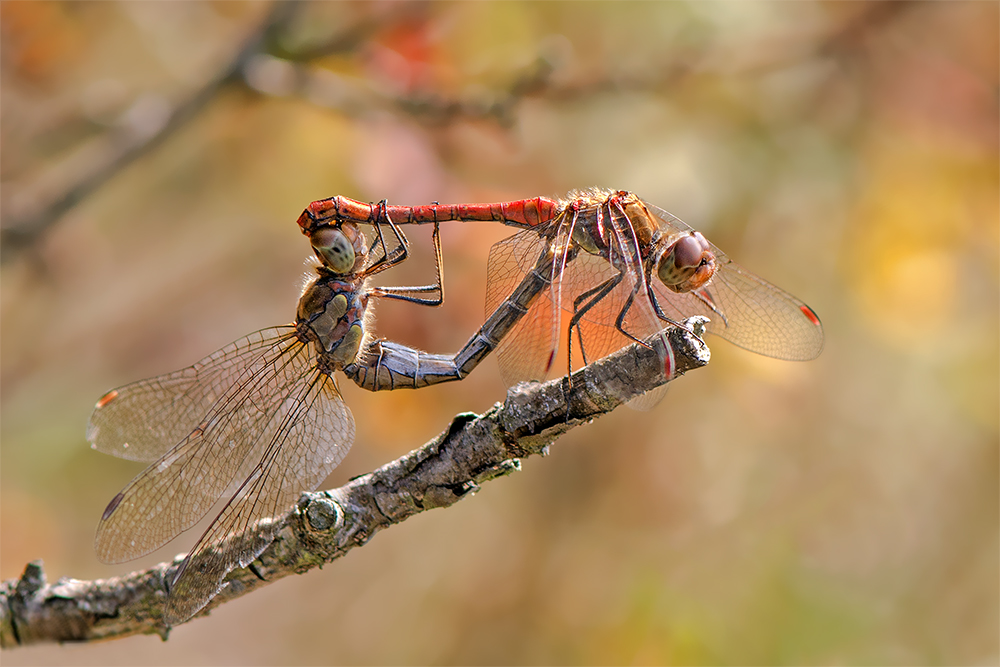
[107,398]
[808,312]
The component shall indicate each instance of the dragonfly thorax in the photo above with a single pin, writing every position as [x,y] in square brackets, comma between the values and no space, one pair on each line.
[583,237]
[331,313]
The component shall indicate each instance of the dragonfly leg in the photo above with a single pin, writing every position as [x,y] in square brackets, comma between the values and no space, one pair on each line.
[592,297]
[595,295]
[399,253]
[620,320]
[704,298]
[406,293]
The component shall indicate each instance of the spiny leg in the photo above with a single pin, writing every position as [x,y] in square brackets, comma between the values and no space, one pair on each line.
[592,296]
[401,250]
[404,293]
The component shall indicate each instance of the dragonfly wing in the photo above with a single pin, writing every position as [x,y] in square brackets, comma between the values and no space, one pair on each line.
[308,436]
[597,326]
[750,312]
[649,400]
[178,489]
[143,420]
[745,309]
[527,351]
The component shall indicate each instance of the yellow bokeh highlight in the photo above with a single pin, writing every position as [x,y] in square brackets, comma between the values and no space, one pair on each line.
[921,207]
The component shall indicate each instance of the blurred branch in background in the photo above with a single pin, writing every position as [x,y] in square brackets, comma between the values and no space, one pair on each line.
[268,66]
[264,64]
[326,525]
[146,124]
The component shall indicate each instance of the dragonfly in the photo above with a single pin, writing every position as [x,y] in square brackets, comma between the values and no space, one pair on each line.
[250,426]
[620,269]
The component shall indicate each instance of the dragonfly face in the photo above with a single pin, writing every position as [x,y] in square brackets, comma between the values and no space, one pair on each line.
[340,247]
[332,307]
[686,263]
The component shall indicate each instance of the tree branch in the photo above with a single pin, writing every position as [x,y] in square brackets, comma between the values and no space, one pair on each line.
[326,525]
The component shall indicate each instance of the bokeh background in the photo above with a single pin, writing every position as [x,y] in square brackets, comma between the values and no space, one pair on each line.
[844,510]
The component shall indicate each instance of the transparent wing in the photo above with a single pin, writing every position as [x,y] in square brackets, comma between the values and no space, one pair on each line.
[649,400]
[526,352]
[143,420]
[755,315]
[308,436]
[598,329]
[746,310]
[606,288]
[222,450]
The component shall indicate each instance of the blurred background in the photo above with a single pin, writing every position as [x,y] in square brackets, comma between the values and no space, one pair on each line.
[155,159]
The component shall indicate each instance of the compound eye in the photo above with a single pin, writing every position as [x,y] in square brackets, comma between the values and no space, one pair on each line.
[334,249]
[687,253]
[687,264]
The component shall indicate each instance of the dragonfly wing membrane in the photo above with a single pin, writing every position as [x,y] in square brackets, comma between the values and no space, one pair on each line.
[309,436]
[649,400]
[751,313]
[178,489]
[143,420]
[763,318]
[527,351]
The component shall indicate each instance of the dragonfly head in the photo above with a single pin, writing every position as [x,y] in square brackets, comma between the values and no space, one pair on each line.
[340,247]
[686,263]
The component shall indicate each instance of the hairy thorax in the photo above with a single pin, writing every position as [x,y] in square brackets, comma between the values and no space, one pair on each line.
[331,314]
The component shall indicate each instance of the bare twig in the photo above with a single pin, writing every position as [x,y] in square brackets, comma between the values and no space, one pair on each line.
[326,525]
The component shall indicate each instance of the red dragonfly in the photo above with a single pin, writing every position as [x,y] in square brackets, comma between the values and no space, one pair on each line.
[252,425]
[619,268]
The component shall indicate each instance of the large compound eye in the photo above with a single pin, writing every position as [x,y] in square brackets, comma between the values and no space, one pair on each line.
[687,264]
[334,248]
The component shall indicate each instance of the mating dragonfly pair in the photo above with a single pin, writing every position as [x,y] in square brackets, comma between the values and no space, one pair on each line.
[261,420]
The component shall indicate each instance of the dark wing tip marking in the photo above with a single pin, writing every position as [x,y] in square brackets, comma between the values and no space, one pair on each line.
[112,506]
[548,364]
